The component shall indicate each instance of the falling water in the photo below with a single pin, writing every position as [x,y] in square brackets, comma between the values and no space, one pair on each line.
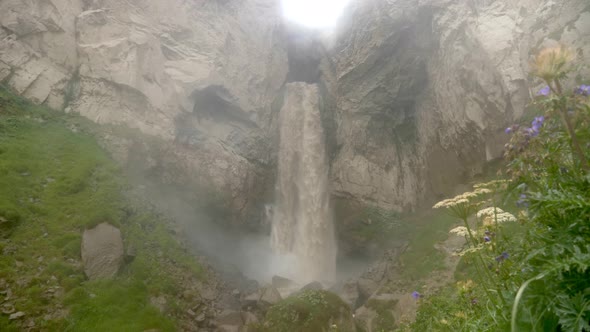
[302,227]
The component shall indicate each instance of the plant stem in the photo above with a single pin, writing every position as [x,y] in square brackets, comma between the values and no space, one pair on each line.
[481,278]
[570,129]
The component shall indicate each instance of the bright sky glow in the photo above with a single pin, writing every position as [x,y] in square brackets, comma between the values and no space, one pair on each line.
[314,13]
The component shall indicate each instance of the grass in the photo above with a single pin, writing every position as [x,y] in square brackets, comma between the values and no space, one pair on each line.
[384,320]
[421,259]
[55,181]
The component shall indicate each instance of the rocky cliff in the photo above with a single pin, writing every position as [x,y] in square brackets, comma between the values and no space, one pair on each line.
[422,90]
[416,92]
[198,76]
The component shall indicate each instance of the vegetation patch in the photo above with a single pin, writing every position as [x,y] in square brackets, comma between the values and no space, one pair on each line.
[526,265]
[55,181]
[384,309]
[312,310]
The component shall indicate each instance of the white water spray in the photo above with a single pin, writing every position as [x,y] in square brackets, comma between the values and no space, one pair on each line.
[302,226]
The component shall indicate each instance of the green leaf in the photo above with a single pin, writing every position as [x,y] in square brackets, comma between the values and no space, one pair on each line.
[573,312]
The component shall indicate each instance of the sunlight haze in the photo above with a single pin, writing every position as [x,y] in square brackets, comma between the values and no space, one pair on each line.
[314,14]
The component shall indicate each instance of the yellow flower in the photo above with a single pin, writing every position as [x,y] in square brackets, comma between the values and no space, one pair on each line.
[465,286]
[552,63]
[460,314]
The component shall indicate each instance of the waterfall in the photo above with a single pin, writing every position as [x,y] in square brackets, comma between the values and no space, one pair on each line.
[302,226]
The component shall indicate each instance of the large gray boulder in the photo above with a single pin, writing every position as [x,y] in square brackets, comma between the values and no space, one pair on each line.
[269,296]
[102,251]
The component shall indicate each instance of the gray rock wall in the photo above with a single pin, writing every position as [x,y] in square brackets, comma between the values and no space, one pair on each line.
[422,90]
[417,92]
[199,76]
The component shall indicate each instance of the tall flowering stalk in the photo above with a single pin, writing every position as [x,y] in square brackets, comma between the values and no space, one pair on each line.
[463,207]
[552,65]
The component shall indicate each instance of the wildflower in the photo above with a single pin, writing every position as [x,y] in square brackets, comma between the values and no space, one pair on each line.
[552,63]
[544,91]
[460,231]
[508,130]
[416,295]
[465,286]
[491,214]
[482,191]
[460,314]
[531,132]
[505,217]
[522,200]
[583,90]
[502,257]
[487,239]
[469,250]
[537,124]
[489,211]
[495,183]
[451,202]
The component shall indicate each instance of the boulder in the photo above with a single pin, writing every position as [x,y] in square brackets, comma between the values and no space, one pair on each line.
[270,296]
[281,282]
[386,311]
[348,292]
[251,300]
[229,318]
[102,251]
[315,285]
[310,311]
[229,301]
[367,287]
[249,318]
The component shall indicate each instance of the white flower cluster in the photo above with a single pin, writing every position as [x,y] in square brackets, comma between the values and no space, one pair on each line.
[461,231]
[469,250]
[464,198]
[505,217]
[492,184]
[488,215]
[489,212]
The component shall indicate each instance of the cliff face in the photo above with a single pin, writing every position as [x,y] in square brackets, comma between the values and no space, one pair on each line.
[416,93]
[199,76]
[422,90]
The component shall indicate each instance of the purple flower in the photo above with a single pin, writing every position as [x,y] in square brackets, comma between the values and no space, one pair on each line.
[502,257]
[508,130]
[487,238]
[536,125]
[416,295]
[583,90]
[544,91]
[522,201]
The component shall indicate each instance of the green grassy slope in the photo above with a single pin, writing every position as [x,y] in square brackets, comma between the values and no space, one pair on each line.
[55,181]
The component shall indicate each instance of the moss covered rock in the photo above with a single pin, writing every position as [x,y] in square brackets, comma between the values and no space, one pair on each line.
[310,310]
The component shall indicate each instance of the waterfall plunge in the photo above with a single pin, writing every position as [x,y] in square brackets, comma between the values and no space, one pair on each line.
[302,228]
